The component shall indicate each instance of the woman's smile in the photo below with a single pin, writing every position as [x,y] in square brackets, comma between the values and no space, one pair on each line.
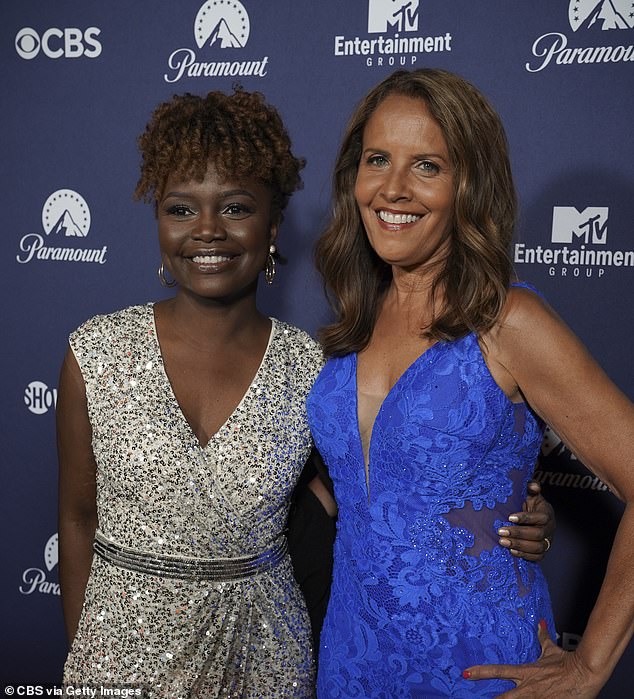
[215,234]
[404,186]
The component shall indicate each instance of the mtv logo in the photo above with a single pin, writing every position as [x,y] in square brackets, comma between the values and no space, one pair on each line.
[398,15]
[590,225]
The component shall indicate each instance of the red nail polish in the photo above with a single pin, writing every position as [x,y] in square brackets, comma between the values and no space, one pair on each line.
[543,625]
[466,674]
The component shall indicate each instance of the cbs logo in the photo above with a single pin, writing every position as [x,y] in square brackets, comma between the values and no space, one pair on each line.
[57,43]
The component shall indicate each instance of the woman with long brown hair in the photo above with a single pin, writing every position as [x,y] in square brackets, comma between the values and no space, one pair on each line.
[430,411]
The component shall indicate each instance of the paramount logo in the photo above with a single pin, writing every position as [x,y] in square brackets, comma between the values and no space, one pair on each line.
[32,248]
[590,18]
[224,27]
[182,62]
[34,580]
[554,448]
[570,480]
[65,218]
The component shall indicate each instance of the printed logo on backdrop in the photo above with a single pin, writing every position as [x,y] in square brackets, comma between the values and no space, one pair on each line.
[36,579]
[600,27]
[66,223]
[70,42]
[39,398]
[559,467]
[589,225]
[602,15]
[221,29]
[396,23]
[578,245]
[384,15]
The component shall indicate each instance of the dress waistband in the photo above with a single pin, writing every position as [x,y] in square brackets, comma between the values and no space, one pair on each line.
[185,568]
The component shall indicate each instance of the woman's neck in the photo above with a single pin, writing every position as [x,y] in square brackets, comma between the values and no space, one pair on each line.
[207,323]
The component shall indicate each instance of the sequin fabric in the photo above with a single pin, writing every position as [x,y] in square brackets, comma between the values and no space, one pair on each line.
[159,490]
[421,589]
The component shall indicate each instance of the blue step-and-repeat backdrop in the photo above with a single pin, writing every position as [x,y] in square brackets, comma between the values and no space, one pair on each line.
[79,80]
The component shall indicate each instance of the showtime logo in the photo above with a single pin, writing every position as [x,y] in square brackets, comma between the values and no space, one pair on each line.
[390,19]
[58,43]
[581,238]
[35,580]
[222,25]
[592,19]
[39,398]
[65,217]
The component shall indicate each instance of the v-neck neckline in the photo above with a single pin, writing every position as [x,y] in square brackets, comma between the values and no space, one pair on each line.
[388,395]
[174,399]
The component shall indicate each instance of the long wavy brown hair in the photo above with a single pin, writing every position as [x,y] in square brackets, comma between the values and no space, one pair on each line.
[477,272]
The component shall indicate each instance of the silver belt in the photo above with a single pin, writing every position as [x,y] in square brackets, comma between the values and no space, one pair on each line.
[185,568]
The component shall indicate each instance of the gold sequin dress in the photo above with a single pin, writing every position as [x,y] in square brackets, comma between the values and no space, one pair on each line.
[160,493]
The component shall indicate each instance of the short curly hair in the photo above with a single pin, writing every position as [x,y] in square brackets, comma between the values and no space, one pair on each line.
[240,134]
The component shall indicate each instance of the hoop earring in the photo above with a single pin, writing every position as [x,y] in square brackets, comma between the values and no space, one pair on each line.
[161,275]
[269,269]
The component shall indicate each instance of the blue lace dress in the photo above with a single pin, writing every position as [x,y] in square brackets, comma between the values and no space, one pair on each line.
[421,588]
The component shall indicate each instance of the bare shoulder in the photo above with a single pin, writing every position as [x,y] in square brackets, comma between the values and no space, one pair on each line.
[528,341]
[527,325]
[541,360]
[524,310]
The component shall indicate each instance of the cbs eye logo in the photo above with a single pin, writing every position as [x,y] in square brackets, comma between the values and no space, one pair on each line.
[58,43]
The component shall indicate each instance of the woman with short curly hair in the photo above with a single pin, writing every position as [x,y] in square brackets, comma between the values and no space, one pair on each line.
[182,431]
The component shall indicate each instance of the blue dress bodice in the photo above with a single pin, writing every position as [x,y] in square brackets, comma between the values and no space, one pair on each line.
[421,588]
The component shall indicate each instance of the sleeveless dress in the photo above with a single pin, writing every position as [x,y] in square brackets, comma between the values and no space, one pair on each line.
[421,589]
[160,492]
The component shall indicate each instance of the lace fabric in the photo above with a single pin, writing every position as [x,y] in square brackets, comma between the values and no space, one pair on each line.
[421,589]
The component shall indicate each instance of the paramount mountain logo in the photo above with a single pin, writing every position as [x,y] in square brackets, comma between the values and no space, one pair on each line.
[578,244]
[390,19]
[60,211]
[224,23]
[602,15]
[592,20]
[65,218]
[35,580]
[221,25]
[67,226]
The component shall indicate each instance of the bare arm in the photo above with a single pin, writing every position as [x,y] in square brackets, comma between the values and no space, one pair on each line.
[321,485]
[323,495]
[564,385]
[77,492]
